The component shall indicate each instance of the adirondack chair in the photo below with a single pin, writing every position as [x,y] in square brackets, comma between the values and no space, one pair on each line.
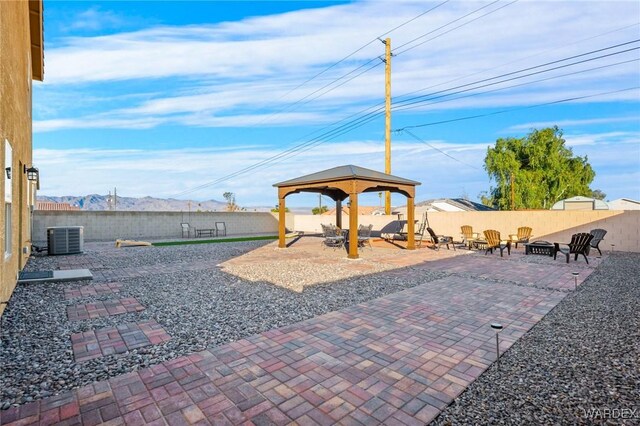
[523,235]
[579,245]
[439,240]
[598,235]
[494,242]
[468,236]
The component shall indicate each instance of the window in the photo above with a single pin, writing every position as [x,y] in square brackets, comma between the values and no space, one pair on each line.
[7,229]
[8,172]
[8,196]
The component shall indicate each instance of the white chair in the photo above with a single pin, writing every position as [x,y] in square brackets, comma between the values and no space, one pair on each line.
[186,229]
[221,229]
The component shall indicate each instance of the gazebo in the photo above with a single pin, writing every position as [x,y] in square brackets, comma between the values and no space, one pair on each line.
[341,182]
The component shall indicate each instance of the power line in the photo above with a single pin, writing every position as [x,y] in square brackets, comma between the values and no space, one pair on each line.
[285,154]
[405,130]
[362,47]
[576,98]
[416,104]
[370,116]
[452,29]
[396,54]
[521,59]
[370,113]
[436,148]
[326,136]
[532,68]
[526,83]
[342,60]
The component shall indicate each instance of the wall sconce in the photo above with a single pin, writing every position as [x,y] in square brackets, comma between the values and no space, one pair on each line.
[8,172]
[32,173]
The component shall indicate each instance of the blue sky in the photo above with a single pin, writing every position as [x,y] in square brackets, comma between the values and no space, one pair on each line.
[160,98]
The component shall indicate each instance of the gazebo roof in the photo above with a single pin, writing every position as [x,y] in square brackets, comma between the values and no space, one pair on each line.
[346,172]
[341,183]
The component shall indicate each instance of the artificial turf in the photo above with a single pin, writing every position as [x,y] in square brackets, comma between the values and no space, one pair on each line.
[225,240]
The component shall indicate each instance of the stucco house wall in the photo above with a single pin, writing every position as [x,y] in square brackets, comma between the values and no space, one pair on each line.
[20,39]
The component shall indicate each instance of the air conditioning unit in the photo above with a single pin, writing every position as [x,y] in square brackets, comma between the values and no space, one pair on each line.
[65,239]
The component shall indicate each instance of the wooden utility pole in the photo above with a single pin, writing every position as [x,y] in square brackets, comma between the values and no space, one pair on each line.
[387,120]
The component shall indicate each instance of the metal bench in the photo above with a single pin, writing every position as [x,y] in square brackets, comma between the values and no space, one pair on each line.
[206,233]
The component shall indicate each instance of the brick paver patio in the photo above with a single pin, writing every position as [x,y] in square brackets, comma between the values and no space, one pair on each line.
[92,290]
[111,340]
[103,309]
[398,359]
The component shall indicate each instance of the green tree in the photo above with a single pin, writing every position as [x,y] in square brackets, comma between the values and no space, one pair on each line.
[598,195]
[276,209]
[543,170]
[231,201]
[319,210]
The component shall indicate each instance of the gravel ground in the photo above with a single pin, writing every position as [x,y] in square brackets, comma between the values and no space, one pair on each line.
[199,309]
[582,357]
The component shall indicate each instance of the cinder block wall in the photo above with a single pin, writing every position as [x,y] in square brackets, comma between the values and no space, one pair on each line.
[110,225]
[623,227]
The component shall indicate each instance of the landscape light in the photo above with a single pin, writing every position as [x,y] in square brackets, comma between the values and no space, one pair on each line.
[575,278]
[497,327]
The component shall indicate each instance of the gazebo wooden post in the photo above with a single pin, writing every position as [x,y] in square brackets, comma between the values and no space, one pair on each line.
[282,218]
[411,237]
[353,224]
[339,214]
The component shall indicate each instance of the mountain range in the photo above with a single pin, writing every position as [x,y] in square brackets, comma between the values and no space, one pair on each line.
[101,202]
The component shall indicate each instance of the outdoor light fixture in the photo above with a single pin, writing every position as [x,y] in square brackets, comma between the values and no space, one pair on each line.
[8,172]
[32,173]
[497,327]
[612,246]
[575,278]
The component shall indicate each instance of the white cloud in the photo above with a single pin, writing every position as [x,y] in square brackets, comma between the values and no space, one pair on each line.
[229,71]
[169,172]
[602,139]
[95,19]
[573,123]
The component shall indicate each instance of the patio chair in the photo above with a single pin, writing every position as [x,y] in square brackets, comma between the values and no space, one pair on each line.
[332,237]
[468,236]
[598,235]
[579,245]
[186,229]
[364,235]
[439,240]
[523,235]
[493,241]
[221,229]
